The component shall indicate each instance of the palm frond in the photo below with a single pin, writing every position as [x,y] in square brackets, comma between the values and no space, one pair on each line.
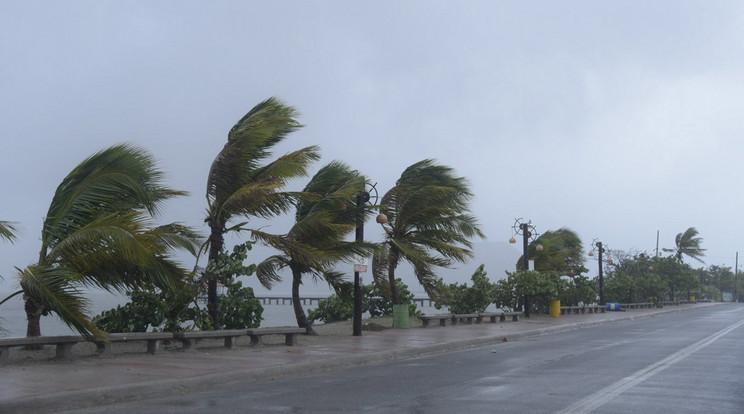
[8,231]
[267,272]
[249,144]
[51,287]
[122,177]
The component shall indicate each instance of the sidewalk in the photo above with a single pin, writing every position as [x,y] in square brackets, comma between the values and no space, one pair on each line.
[98,380]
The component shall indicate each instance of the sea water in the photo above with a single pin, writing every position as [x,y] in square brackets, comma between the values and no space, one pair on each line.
[13,317]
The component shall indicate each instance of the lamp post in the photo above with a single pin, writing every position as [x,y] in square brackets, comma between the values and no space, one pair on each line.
[527,231]
[600,249]
[361,200]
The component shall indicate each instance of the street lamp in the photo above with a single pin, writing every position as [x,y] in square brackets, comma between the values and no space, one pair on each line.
[361,199]
[599,248]
[527,231]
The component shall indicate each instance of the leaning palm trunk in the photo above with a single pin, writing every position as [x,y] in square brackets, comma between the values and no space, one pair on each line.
[302,321]
[391,276]
[217,241]
[33,318]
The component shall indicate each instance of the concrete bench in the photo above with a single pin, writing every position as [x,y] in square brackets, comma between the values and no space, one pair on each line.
[425,319]
[290,334]
[153,340]
[514,316]
[229,335]
[595,308]
[63,343]
[467,317]
[490,315]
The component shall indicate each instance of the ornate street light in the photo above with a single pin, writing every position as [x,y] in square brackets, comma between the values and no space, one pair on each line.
[600,249]
[527,231]
[361,199]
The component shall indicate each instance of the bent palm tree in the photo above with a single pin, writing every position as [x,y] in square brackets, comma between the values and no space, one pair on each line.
[315,243]
[239,185]
[688,244]
[429,226]
[562,253]
[97,233]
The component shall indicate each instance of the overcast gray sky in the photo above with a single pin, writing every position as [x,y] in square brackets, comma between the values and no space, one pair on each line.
[614,118]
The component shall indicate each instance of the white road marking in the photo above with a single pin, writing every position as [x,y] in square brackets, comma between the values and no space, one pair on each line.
[605,395]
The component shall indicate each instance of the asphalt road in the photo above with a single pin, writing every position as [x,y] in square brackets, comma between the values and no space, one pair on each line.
[683,362]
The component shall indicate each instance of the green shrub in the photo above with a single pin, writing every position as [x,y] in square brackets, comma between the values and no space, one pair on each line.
[377,301]
[332,309]
[239,309]
[145,309]
[463,299]
[341,307]
[540,288]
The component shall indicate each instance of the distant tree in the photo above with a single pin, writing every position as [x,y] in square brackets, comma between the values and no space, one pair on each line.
[633,278]
[97,232]
[241,183]
[678,278]
[429,226]
[317,241]
[688,244]
[562,254]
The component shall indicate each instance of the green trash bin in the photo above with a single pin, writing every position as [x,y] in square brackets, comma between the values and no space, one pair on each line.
[401,320]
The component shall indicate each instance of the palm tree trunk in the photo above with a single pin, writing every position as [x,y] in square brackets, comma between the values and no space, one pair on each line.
[302,321]
[391,275]
[33,317]
[216,243]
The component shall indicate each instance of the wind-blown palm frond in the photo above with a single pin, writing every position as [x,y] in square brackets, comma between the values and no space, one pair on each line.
[119,178]
[51,287]
[267,272]
[429,224]
[8,231]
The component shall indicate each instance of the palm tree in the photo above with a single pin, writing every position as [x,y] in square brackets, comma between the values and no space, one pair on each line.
[429,226]
[315,243]
[241,185]
[97,232]
[688,244]
[562,253]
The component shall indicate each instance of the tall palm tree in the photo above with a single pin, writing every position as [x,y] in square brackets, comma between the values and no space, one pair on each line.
[316,242]
[429,226]
[242,184]
[688,244]
[97,232]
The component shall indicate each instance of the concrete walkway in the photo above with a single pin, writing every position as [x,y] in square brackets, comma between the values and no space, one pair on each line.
[53,386]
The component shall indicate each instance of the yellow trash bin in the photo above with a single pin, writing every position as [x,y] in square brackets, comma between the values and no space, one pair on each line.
[555,308]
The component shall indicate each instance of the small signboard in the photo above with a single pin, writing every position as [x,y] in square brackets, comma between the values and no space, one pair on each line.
[360,268]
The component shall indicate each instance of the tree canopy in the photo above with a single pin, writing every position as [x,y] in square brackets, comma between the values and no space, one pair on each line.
[429,225]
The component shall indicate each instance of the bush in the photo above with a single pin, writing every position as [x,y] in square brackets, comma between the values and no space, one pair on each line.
[332,309]
[381,304]
[463,299]
[338,308]
[239,309]
[146,308]
[540,288]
